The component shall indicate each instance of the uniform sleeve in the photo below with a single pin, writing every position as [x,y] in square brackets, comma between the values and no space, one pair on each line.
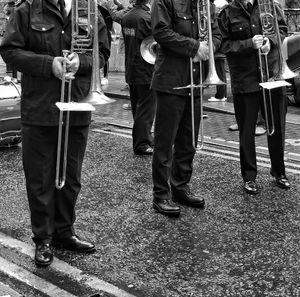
[14,43]
[216,33]
[116,14]
[164,34]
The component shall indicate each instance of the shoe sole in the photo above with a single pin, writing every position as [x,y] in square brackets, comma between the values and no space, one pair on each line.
[251,192]
[166,213]
[281,186]
[195,205]
[62,247]
[42,264]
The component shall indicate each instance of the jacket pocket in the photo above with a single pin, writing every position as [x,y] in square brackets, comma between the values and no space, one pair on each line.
[42,37]
[240,30]
[183,24]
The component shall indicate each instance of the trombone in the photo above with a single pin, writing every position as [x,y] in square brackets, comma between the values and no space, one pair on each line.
[205,34]
[269,23]
[148,49]
[80,43]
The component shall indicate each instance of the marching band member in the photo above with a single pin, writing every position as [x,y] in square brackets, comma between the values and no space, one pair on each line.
[136,26]
[33,44]
[175,28]
[242,38]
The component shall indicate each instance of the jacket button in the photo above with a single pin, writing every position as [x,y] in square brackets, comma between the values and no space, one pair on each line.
[43,29]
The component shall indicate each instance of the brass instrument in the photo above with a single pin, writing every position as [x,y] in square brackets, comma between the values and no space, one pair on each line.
[205,34]
[148,49]
[82,43]
[269,23]
[82,18]
[60,178]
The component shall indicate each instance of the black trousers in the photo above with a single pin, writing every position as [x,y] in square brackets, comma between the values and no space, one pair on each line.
[220,69]
[143,105]
[52,211]
[246,111]
[173,155]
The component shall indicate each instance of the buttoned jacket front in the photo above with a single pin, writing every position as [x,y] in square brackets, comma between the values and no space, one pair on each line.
[34,36]
[238,27]
[175,28]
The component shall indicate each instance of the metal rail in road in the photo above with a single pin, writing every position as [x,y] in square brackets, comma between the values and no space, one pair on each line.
[212,146]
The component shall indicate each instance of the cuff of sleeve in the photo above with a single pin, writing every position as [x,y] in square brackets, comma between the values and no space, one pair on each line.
[48,66]
[195,48]
[84,63]
[249,43]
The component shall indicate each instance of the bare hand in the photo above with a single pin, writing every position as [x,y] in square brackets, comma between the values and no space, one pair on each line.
[257,41]
[73,63]
[57,67]
[266,46]
[202,53]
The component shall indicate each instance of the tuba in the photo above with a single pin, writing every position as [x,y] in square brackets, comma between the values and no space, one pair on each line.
[82,41]
[204,34]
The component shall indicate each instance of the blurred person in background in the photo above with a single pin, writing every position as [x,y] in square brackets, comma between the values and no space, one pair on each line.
[221,90]
[112,11]
[136,26]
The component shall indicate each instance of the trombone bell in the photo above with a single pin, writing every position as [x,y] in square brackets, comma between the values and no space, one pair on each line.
[148,49]
[97,98]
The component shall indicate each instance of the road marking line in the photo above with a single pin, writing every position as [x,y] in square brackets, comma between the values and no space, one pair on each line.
[64,268]
[227,152]
[32,280]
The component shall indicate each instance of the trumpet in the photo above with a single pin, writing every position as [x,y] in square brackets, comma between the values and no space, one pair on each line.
[80,43]
[269,23]
[205,34]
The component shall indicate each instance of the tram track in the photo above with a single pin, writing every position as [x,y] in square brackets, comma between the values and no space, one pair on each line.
[216,147]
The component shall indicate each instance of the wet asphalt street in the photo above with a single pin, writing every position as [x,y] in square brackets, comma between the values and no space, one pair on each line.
[239,245]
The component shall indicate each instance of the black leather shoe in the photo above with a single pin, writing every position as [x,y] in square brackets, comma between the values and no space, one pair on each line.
[146,151]
[282,182]
[251,187]
[166,207]
[74,243]
[43,254]
[186,197]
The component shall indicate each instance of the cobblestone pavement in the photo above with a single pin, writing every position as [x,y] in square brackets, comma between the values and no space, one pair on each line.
[220,115]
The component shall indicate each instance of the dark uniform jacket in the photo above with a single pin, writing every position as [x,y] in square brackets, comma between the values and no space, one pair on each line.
[175,28]
[34,36]
[238,27]
[136,26]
